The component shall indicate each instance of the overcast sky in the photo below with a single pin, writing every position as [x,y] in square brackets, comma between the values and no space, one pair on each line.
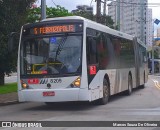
[71,5]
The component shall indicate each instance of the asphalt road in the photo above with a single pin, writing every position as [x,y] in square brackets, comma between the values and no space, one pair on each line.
[142,105]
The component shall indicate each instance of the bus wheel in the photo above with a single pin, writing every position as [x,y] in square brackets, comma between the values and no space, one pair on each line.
[129,91]
[106,93]
[143,85]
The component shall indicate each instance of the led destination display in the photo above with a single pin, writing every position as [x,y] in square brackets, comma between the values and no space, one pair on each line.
[54,29]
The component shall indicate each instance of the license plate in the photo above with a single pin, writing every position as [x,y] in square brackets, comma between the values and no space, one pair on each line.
[48,94]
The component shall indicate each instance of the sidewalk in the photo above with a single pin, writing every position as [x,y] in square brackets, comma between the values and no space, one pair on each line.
[9,98]
[157,74]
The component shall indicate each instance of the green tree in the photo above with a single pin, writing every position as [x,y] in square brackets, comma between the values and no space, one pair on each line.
[12,17]
[87,15]
[34,15]
[105,20]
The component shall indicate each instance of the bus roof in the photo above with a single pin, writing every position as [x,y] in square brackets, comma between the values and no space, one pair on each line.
[64,18]
[94,25]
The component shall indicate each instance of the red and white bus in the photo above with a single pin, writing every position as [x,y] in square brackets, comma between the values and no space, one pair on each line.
[74,59]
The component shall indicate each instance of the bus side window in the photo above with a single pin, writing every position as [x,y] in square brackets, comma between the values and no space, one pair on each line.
[103,57]
[91,50]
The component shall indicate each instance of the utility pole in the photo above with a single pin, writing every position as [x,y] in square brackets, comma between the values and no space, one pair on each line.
[98,15]
[43,9]
[153,49]
[104,8]
[152,59]
[104,12]
[118,14]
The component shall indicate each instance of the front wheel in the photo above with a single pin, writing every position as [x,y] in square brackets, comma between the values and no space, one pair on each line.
[106,93]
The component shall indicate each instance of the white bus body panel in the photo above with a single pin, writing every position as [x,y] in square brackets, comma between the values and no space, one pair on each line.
[118,82]
[118,77]
[63,91]
[61,95]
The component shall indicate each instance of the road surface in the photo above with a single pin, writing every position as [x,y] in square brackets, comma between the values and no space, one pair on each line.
[142,105]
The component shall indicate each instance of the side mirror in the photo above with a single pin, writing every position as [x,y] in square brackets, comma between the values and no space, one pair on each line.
[11,41]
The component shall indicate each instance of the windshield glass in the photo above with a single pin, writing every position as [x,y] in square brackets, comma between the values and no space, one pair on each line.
[51,55]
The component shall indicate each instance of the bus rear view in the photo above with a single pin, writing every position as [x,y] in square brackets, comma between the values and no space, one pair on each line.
[50,61]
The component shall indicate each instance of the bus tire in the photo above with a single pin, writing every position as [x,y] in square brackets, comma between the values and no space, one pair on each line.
[130,87]
[142,86]
[106,93]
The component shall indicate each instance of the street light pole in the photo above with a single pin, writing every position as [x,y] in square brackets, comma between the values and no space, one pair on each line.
[98,18]
[152,59]
[153,50]
[118,14]
[43,9]
[104,8]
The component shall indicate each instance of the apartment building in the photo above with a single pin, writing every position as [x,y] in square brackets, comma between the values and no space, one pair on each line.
[86,8]
[149,31]
[130,16]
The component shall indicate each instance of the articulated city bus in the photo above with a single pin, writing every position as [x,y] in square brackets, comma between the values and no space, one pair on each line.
[75,59]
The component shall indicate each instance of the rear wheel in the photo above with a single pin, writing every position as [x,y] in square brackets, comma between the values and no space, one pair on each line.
[129,91]
[106,93]
[142,86]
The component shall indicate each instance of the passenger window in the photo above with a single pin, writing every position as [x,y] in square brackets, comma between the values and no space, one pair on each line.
[91,50]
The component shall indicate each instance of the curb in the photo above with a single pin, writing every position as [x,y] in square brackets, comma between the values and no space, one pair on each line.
[9,103]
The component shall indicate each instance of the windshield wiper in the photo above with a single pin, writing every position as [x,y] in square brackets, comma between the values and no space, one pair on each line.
[60,46]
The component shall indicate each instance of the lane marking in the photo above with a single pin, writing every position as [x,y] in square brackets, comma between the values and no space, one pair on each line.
[156,83]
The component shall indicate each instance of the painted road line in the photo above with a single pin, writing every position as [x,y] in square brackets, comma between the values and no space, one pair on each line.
[156,83]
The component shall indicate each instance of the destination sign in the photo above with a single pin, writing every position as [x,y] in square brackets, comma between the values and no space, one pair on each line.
[54,29]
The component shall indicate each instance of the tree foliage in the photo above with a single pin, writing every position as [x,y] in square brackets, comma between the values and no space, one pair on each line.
[12,17]
[34,14]
[87,15]
[104,19]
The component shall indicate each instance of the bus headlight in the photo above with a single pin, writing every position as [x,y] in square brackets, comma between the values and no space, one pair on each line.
[24,85]
[76,83]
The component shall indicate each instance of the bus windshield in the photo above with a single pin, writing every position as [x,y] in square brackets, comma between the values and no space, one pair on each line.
[51,55]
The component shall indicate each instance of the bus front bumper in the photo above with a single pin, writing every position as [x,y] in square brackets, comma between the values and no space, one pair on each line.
[60,95]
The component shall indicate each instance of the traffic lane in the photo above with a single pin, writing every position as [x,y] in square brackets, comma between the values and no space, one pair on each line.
[143,104]
[135,107]
[154,81]
[40,111]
